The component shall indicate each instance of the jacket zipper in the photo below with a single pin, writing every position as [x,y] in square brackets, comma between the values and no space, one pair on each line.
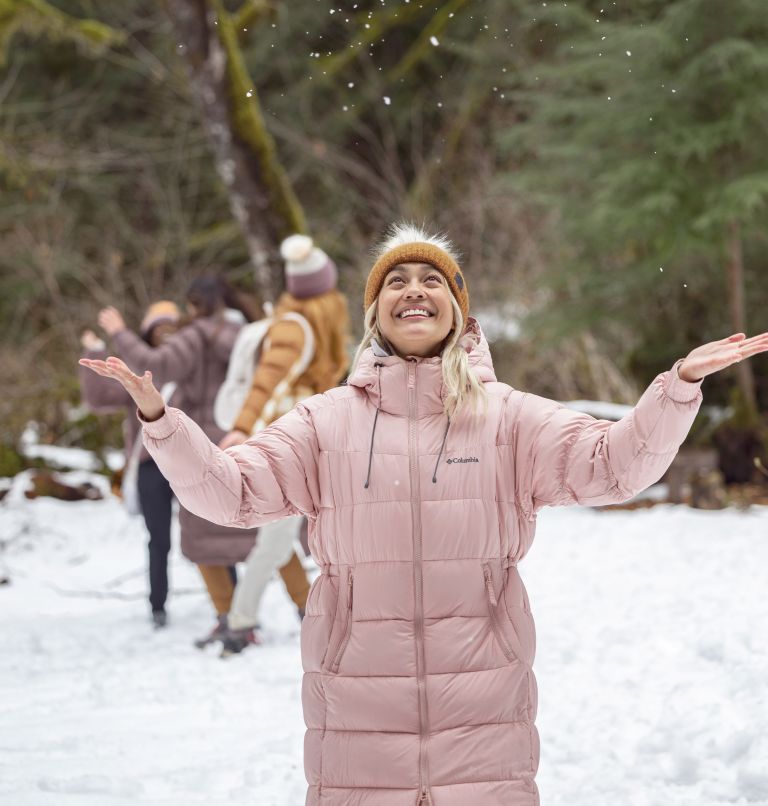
[418,581]
[492,611]
[347,627]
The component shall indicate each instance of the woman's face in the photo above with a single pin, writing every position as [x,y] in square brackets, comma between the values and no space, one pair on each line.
[414,311]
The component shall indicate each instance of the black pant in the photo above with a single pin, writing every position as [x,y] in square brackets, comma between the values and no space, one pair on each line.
[156,497]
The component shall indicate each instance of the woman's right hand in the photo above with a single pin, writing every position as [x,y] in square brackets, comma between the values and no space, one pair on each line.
[148,400]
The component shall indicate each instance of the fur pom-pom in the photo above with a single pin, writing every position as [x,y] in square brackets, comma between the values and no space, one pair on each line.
[296,248]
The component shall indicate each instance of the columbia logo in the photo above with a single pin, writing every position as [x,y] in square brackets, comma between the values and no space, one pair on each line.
[462,461]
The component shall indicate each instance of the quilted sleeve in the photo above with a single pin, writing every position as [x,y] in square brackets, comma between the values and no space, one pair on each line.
[565,457]
[272,475]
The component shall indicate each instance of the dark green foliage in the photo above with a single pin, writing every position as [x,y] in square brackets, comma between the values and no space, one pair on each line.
[642,127]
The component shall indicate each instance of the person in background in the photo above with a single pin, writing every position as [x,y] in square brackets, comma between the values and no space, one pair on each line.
[304,353]
[196,359]
[155,496]
[421,480]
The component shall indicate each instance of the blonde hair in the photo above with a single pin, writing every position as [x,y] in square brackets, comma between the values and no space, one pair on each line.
[462,384]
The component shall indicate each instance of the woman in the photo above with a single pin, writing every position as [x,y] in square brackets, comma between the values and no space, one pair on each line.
[304,353]
[154,493]
[421,480]
[196,358]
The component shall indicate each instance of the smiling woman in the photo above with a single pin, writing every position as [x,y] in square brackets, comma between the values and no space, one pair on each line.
[417,275]
[415,314]
[418,640]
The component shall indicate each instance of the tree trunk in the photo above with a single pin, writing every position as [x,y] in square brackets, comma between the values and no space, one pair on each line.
[745,376]
[260,195]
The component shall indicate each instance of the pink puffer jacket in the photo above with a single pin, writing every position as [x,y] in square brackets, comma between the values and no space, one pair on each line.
[418,641]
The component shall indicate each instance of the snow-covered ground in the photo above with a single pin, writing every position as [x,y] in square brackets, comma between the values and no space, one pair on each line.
[652,667]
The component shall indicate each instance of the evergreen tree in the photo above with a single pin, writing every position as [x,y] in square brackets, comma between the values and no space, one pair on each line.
[644,127]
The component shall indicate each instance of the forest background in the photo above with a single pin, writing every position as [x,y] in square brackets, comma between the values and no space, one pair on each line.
[602,166]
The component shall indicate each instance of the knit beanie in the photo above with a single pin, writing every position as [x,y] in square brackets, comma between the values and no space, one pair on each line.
[419,252]
[308,270]
[158,312]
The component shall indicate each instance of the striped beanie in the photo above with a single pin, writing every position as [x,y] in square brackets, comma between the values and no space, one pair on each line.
[308,270]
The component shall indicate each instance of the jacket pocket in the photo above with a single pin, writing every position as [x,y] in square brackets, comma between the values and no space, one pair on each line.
[338,645]
[493,614]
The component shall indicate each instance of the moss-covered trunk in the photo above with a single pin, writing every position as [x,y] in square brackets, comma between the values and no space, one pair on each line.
[260,195]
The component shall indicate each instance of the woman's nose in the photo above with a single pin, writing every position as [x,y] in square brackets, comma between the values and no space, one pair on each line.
[414,289]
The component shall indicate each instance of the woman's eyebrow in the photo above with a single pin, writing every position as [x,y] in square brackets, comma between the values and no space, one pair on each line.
[422,267]
[403,272]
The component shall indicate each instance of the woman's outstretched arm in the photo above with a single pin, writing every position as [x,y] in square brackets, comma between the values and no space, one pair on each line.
[267,478]
[564,457]
[171,361]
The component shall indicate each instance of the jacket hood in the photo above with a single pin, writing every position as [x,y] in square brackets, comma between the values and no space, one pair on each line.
[384,378]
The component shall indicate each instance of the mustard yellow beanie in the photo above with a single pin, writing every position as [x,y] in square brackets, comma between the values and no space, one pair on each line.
[435,250]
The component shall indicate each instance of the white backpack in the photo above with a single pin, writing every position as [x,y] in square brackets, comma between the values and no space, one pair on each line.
[248,347]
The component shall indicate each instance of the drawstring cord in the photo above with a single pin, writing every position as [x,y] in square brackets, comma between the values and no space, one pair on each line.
[370,452]
[440,453]
[373,430]
[373,435]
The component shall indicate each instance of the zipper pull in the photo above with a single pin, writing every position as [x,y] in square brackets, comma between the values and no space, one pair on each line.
[350,585]
[423,798]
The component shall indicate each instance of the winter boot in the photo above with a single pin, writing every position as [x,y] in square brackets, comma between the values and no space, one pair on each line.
[216,634]
[235,641]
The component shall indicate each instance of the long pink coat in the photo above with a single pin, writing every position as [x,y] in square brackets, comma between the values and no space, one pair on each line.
[418,641]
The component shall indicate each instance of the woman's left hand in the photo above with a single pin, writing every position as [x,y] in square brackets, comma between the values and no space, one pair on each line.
[111,321]
[718,355]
